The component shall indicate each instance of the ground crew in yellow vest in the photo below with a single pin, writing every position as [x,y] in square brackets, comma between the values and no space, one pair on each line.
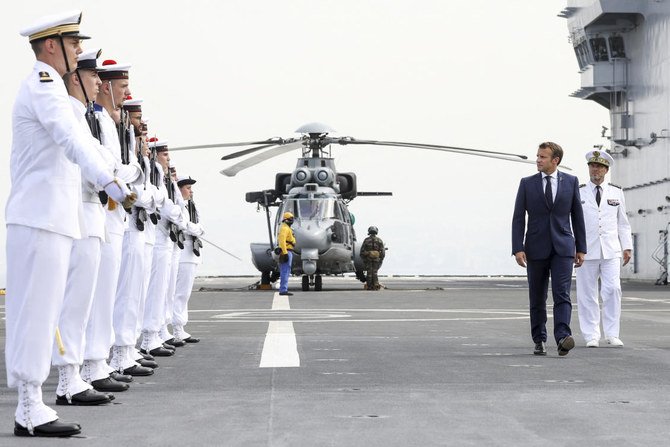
[285,244]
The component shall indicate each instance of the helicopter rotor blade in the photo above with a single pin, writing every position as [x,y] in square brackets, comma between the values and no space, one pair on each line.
[246,152]
[231,171]
[270,142]
[350,140]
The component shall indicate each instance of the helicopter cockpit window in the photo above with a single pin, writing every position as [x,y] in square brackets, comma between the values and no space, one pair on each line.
[315,208]
[599,48]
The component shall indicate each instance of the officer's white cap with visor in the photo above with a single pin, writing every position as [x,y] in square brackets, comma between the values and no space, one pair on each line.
[600,157]
[65,24]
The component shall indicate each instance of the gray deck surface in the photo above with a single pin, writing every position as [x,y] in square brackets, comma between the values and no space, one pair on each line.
[426,362]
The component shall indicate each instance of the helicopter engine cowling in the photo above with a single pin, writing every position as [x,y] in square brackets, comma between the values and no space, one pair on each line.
[324,176]
[301,176]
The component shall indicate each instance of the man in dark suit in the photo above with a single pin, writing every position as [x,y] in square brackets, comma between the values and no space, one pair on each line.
[551,200]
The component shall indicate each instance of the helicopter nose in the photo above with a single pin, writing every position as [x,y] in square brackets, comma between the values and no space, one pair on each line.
[307,238]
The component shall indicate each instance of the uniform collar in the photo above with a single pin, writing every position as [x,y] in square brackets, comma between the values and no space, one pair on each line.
[593,186]
[81,108]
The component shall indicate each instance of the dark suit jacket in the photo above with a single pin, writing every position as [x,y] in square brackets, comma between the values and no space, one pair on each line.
[548,227]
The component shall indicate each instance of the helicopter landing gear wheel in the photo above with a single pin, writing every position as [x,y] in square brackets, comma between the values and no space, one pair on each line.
[305,283]
[317,283]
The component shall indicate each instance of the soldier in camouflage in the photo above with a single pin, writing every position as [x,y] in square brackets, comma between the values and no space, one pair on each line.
[372,252]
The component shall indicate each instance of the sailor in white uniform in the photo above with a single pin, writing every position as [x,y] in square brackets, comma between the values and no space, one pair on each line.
[190,258]
[171,221]
[609,239]
[100,332]
[83,85]
[131,277]
[44,215]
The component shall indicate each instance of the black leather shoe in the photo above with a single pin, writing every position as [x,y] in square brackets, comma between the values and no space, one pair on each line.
[161,352]
[49,430]
[170,347]
[147,363]
[540,348]
[121,377]
[286,293]
[175,342]
[86,397]
[565,344]
[146,355]
[109,385]
[192,340]
[137,370]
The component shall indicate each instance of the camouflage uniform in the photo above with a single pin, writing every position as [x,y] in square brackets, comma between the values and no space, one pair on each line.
[372,252]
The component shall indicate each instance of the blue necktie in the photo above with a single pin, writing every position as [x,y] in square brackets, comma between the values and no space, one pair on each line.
[548,192]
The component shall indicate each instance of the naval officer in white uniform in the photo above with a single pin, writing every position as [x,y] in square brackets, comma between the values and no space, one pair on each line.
[43,215]
[609,241]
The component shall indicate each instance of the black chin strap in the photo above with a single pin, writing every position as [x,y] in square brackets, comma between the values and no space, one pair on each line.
[62,46]
[81,83]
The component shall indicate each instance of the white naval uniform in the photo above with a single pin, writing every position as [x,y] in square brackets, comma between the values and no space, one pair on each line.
[174,267]
[43,216]
[188,262]
[131,283]
[608,233]
[149,241]
[81,280]
[154,310]
[100,331]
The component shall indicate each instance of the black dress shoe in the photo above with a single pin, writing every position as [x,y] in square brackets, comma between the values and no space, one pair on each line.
[565,344]
[109,385]
[540,348]
[147,363]
[146,355]
[170,347]
[86,397]
[175,342]
[286,293]
[161,352]
[49,430]
[137,370]
[121,377]
[192,340]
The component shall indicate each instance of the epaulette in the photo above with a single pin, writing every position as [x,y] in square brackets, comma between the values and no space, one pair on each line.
[582,185]
[45,76]
[616,186]
[97,107]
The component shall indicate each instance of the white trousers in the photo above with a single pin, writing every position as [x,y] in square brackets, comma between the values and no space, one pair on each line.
[81,281]
[148,262]
[185,278]
[100,331]
[37,264]
[608,271]
[169,297]
[130,289]
[154,309]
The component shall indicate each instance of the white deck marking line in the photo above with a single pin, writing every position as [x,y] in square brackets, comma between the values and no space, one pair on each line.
[280,349]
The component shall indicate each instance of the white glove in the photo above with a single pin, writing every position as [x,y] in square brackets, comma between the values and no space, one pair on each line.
[194,229]
[120,193]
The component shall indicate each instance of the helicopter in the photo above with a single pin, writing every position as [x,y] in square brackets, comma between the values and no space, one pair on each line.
[317,195]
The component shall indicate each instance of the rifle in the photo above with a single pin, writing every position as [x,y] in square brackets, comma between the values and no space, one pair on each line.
[193,216]
[142,215]
[154,178]
[175,234]
[124,140]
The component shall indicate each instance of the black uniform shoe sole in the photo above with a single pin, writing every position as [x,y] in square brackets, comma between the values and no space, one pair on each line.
[565,345]
[121,377]
[138,370]
[85,398]
[147,363]
[53,429]
[192,340]
[109,384]
[174,342]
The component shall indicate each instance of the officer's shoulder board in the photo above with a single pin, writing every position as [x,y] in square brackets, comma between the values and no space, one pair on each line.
[582,185]
[45,76]
[616,186]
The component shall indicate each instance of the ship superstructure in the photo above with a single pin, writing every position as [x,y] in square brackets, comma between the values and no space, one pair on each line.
[623,53]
